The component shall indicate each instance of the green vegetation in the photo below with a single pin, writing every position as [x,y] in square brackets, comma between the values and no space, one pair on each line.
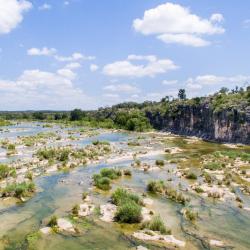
[6,171]
[138,116]
[127,172]
[19,190]
[190,214]
[53,221]
[129,206]
[159,187]
[129,212]
[75,210]
[213,166]
[103,180]
[159,163]
[191,176]
[121,195]
[4,123]
[232,154]
[157,225]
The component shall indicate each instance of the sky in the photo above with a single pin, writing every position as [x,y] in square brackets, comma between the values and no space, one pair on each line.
[61,55]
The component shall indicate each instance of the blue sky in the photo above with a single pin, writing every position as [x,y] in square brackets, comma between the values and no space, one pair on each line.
[58,54]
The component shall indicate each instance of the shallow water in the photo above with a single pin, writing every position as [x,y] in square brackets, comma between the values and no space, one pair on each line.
[57,193]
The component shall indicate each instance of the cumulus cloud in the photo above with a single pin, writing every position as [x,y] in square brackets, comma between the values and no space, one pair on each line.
[169,82]
[41,52]
[93,67]
[76,56]
[45,6]
[73,65]
[126,68]
[184,39]
[67,73]
[220,81]
[173,23]
[11,14]
[36,89]
[124,88]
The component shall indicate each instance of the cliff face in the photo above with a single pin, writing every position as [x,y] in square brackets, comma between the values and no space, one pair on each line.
[201,121]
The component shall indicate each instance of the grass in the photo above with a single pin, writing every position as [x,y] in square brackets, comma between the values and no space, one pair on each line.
[127,172]
[129,206]
[19,190]
[103,180]
[190,214]
[121,196]
[157,225]
[156,187]
[213,166]
[53,221]
[159,163]
[191,176]
[129,212]
[75,210]
[102,183]
[159,187]
[199,190]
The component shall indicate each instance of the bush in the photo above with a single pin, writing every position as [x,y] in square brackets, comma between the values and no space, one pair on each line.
[75,210]
[191,176]
[129,212]
[4,171]
[156,224]
[213,166]
[53,221]
[110,173]
[159,162]
[199,190]
[19,190]
[127,172]
[190,214]
[121,196]
[103,183]
[156,186]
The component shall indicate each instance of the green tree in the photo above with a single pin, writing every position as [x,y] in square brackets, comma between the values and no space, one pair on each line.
[182,94]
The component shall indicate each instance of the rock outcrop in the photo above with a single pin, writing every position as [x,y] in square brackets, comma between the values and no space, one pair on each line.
[230,125]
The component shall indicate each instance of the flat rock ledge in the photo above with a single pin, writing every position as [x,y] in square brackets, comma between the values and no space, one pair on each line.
[108,212]
[149,235]
[216,243]
[45,230]
[63,225]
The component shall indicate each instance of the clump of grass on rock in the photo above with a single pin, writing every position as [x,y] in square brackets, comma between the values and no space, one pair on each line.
[129,206]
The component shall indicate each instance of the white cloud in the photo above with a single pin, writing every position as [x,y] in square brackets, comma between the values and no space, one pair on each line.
[217,17]
[66,3]
[41,52]
[73,65]
[45,6]
[175,23]
[67,73]
[129,69]
[93,67]
[35,89]
[74,57]
[11,14]
[150,58]
[169,82]
[124,88]
[219,81]
[184,39]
